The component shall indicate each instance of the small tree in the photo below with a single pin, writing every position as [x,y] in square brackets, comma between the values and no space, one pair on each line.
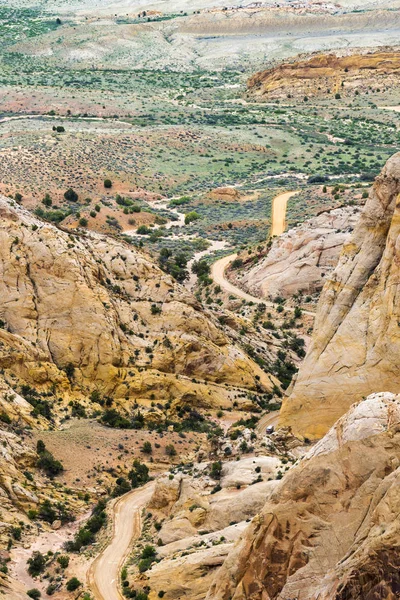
[107,183]
[71,195]
[147,448]
[36,564]
[170,450]
[216,470]
[73,584]
[49,464]
[139,475]
[34,593]
[47,201]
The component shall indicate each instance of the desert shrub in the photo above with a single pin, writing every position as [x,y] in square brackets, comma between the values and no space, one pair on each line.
[63,561]
[34,593]
[107,183]
[49,464]
[155,310]
[216,469]
[36,564]
[71,195]
[73,584]
[86,534]
[170,450]
[113,418]
[192,216]
[47,201]
[139,474]
[122,487]
[143,230]
[147,448]
[5,418]
[40,446]
[148,552]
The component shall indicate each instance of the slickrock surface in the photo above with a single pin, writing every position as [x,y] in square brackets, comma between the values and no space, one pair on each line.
[330,529]
[356,342]
[300,259]
[97,310]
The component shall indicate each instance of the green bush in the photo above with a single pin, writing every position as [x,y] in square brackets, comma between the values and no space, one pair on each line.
[71,195]
[113,418]
[63,561]
[147,448]
[73,584]
[107,183]
[192,216]
[122,487]
[139,475]
[36,564]
[86,534]
[49,464]
[170,450]
[34,593]
[4,417]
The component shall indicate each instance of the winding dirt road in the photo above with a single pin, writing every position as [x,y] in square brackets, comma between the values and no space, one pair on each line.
[218,275]
[279,205]
[104,573]
[218,268]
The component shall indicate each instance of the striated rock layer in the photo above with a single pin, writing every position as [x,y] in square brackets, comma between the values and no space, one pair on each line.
[356,343]
[326,72]
[330,529]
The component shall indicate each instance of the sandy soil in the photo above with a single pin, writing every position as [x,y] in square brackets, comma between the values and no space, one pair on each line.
[88,450]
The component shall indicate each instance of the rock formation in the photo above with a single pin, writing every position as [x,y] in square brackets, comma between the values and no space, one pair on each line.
[300,259]
[326,72]
[82,311]
[199,528]
[330,529]
[356,343]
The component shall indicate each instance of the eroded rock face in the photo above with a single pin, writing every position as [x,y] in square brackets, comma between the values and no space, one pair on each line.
[328,519]
[356,343]
[97,306]
[319,74]
[301,259]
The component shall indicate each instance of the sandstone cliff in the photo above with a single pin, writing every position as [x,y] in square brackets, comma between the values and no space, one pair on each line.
[330,529]
[83,311]
[356,343]
[300,259]
[324,72]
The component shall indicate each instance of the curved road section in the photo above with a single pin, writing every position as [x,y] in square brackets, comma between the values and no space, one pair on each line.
[104,573]
[279,205]
[218,268]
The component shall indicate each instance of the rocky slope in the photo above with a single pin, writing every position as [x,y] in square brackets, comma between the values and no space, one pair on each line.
[300,260]
[325,73]
[330,529]
[356,343]
[200,525]
[82,312]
